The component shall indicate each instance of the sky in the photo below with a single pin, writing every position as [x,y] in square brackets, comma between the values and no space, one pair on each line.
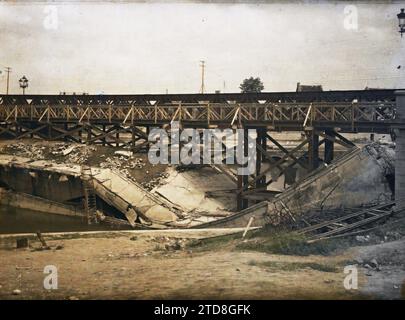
[156,47]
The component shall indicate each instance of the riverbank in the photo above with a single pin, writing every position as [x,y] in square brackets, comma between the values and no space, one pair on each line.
[142,268]
[180,264]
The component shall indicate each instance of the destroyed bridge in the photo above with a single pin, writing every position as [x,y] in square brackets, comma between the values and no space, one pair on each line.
[125,120]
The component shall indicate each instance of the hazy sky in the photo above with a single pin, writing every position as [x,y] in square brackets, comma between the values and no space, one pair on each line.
[150,47]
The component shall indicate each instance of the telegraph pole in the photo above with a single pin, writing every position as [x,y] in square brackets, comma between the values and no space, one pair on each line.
[202,65]
[8,70]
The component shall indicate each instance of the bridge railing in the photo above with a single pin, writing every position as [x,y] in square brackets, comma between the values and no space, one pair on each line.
[229,113]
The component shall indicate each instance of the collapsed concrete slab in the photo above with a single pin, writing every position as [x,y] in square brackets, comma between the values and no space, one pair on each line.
[256,214]
[24,175]
[124,195]
[189,189]
[362,176]
[27,201]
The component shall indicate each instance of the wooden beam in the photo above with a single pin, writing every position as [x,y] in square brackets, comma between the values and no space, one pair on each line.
[313,150]
[302,163]
[263,174]
[329,148]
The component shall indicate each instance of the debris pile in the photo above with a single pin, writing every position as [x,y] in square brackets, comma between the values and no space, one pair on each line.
[78,154]
[26,150]
[149,185]
[74,153]
[370,264]
[378,237]
[384,156]
[169,243]
[335,186]
[122,163]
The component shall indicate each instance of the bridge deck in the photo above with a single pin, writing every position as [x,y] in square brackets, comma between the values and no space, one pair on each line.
[351,111]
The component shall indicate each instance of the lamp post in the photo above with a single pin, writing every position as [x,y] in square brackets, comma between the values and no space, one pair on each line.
[23,83]
[401,21]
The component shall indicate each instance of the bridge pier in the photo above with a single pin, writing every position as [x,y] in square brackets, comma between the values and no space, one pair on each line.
[313,150]
[243,181]
[329,148]
[400,153]
[261,148]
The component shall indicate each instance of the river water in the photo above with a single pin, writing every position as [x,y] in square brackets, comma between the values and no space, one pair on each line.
[16,220]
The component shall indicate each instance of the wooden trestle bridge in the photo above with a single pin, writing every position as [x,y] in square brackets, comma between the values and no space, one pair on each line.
[125,120]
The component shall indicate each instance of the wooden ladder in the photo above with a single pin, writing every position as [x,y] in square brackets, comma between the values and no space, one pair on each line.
[90,204]
[353,219]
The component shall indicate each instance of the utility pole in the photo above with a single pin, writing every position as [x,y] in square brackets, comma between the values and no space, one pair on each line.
[8,70]
[202,65]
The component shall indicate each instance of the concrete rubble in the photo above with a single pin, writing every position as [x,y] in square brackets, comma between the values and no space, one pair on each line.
[178,199]
[26,150]
[360,177]
[122,160]
[151,184]
[136,203]
[169,243]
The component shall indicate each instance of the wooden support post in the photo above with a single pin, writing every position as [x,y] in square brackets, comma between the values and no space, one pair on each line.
[260,156]
[313,150]
[133,137]
[245,178]
[117,135]
[88,127]
[243,181]
[49,131]
[104,138]
[239,198]
[329,147]
[66,128]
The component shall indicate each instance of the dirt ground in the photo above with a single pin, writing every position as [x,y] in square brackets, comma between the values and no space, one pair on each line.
[141,268]
[388,280]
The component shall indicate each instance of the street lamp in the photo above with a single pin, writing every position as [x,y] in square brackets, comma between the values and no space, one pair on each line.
[23,83]
[401,21]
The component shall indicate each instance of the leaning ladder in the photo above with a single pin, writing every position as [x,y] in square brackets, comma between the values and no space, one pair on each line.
[90,204]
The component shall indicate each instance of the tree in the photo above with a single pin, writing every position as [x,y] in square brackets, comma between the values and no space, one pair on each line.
[251,85]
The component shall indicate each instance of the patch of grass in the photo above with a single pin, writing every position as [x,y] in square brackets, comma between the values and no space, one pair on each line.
[293,266]
[158,247]
[270,241]
[289,243]
[213,243]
